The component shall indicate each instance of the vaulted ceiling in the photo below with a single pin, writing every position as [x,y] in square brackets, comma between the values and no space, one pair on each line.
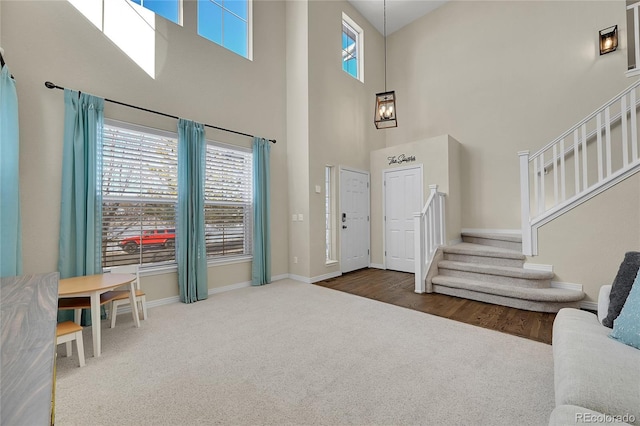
[399,12]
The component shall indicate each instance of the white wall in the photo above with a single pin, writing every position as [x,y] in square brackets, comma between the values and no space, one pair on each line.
[195,79]
[502,77]
[439,159]
[498,76]
[297,23]
[341,130]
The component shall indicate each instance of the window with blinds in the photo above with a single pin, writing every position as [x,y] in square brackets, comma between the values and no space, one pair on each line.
[139,195]
[228,197]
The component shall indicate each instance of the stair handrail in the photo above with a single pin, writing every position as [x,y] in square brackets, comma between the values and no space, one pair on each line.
[537,205]
[430,233]
[589,117]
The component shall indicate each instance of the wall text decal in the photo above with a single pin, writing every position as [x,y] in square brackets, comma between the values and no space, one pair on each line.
[402,158]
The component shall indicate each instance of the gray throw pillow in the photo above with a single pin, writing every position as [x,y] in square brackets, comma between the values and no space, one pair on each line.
[622,286]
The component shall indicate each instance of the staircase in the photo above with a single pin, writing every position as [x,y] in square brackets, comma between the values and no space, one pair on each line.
[595,154]
[489,268]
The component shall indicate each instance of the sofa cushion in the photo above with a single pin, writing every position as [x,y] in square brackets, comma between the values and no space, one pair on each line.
[622,285]
[592,370]
[626,328]
[564,415]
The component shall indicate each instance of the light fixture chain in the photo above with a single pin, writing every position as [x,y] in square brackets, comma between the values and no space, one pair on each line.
[384,26]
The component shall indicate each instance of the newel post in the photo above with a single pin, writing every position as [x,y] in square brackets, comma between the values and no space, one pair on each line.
[438,214]
[524,203]
[419,248]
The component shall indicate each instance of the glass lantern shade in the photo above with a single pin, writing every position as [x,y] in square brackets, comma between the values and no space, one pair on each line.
[608,40]
[385,112]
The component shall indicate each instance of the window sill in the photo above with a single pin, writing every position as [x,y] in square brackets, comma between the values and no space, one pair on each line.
[158,270]
[229,260]
[632,73]
[173,268]
[331,263]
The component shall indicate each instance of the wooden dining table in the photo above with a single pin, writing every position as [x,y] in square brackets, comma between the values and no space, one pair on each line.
[93,286]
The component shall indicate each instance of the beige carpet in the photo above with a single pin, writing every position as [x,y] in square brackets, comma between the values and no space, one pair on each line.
[292,353]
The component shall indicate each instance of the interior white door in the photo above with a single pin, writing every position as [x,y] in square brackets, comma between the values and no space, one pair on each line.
[403,198]
[354,220]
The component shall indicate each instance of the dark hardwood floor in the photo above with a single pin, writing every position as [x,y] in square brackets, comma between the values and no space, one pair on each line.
[397,288]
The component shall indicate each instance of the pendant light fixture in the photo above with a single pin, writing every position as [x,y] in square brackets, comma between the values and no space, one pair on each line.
[385,112]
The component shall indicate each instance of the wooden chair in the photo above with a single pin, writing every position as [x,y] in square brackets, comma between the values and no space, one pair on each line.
[80,303]
[123,299]
[68,331]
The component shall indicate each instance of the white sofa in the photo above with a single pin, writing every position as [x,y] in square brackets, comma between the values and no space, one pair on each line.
[597,378]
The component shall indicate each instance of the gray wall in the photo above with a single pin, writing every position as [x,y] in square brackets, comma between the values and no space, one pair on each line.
[194,78]
[503,77]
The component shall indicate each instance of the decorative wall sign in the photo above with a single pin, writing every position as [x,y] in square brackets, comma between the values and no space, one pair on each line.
[402,158]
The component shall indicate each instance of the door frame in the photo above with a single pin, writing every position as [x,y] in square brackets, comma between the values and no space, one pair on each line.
[339,211]
[384,202]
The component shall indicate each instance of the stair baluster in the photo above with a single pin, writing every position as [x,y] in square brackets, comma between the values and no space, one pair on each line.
[430,231]
[538,205]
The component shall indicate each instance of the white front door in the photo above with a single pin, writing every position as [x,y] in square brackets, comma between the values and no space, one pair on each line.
[403,198]
[353,221]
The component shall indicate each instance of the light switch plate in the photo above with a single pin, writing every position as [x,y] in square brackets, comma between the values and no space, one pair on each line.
[318,189]
[300,217]
[294,217]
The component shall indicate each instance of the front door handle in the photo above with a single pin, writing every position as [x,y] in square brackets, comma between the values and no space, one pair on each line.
[344,226]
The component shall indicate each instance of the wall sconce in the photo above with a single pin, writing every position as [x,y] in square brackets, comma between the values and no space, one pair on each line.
[385,116]
[608,39]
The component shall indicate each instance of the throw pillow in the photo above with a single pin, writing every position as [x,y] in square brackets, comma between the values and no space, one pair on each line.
[621,286]
[626,328]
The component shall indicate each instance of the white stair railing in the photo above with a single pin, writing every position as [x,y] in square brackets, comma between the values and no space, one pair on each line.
[430,233]
[592,156]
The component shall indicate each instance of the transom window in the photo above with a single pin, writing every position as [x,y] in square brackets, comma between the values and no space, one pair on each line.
[168,9]
[227,23]
[352,48]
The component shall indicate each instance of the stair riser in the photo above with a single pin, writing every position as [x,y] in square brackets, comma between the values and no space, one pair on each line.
[484,260]
[510,245]
[528,305]
[497,279]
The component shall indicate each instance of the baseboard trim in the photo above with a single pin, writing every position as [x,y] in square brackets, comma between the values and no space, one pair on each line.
[566,286]
[376,266]
[229,287]
[300,278]
[325,277]
[590,306]
[153,303]
[215,290]
[280,277]
[538,267]
[492,231]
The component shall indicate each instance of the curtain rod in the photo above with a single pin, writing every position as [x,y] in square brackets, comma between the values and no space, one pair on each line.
[50,85]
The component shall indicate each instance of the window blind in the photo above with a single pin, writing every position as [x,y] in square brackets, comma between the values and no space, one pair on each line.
[139,190]
[228,201]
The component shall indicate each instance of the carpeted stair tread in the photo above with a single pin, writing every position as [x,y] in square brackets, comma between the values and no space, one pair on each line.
[471,249]
[514,238]
[535,294]
[505,271]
